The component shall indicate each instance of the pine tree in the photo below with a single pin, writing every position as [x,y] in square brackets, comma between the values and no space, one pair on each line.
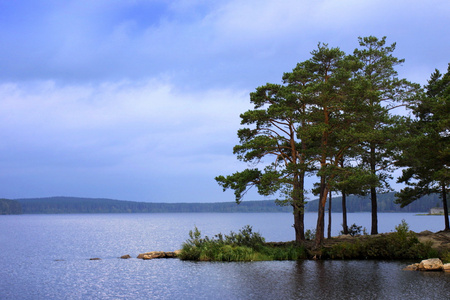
[276,128]
[382,92]
[426,150]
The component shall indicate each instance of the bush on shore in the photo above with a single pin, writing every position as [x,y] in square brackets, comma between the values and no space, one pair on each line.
[401,244]
[245,245]
[445,257]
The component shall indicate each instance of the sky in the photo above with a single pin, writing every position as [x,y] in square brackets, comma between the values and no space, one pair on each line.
[140,100]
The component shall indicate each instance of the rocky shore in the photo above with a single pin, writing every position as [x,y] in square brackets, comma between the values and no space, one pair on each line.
[158,254]
[432,264]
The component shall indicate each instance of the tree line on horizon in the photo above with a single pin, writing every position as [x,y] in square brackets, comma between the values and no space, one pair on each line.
[10,207]
[340,117]
[74,205]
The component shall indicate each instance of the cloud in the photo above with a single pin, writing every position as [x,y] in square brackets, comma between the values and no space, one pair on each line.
[128,128]
[132,98]
[198,43]
[127,113]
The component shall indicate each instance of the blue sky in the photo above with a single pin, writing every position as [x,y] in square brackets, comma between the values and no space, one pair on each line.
[140,100]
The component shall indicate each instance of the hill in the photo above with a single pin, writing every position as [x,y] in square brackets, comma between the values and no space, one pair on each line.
[64,205]
[58,205]
[10,207]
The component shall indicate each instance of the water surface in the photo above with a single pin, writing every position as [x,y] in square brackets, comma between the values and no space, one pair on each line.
[47,257]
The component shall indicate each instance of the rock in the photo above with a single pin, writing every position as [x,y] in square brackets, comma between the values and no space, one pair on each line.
[151,255]
[173,254]
[413,267]
[446,267]
[432,264]
[170,255]
[141,255]
[127,256]
[158,254]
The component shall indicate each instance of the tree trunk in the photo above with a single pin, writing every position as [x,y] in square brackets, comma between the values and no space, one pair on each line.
[373,197]
[344,213]
[444,200]
[298,204]
[344,207]
[329,218]
[299,224]
[320,228]
[373,192]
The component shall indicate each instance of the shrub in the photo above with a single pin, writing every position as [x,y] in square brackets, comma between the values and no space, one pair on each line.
[239,246]
[401,244]
[355,230]
[245,237]
[233,253]
[445,257]
[310,234]
[344,251]
[245,245]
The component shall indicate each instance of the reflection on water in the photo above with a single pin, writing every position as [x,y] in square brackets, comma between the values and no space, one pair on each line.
[337,280]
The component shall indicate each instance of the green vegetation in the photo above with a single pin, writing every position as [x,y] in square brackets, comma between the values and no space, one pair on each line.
[428,168]
[333,117]
[245,245]
[355,230]
[249,246]
[445,257]
[401,244]
[10,207]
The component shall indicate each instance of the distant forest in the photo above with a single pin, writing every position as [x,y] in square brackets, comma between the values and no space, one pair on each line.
[10,207]
[72,205]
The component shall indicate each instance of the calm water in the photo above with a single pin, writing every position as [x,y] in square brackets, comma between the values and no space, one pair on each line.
[47,257]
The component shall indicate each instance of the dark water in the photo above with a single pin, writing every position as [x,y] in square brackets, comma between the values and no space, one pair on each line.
[47,257]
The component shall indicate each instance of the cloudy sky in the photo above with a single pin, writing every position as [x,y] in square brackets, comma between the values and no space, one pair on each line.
[140,100]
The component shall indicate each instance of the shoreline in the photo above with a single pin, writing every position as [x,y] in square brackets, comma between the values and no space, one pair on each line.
[346,247]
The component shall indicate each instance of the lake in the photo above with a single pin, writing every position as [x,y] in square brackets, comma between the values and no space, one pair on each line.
[47,257]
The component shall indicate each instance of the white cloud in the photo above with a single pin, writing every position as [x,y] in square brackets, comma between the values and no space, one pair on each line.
[125,120]
[117,139]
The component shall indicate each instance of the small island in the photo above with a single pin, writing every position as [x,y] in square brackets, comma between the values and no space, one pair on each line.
[247,245]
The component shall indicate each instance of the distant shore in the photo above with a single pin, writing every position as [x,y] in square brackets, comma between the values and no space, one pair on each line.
[76,205]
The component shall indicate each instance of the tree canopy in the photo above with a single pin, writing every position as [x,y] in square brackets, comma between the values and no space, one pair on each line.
[426,150]
[332,117]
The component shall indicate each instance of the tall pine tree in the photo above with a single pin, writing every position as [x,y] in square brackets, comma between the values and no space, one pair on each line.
[426,151]
[275,129]
[382,91]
